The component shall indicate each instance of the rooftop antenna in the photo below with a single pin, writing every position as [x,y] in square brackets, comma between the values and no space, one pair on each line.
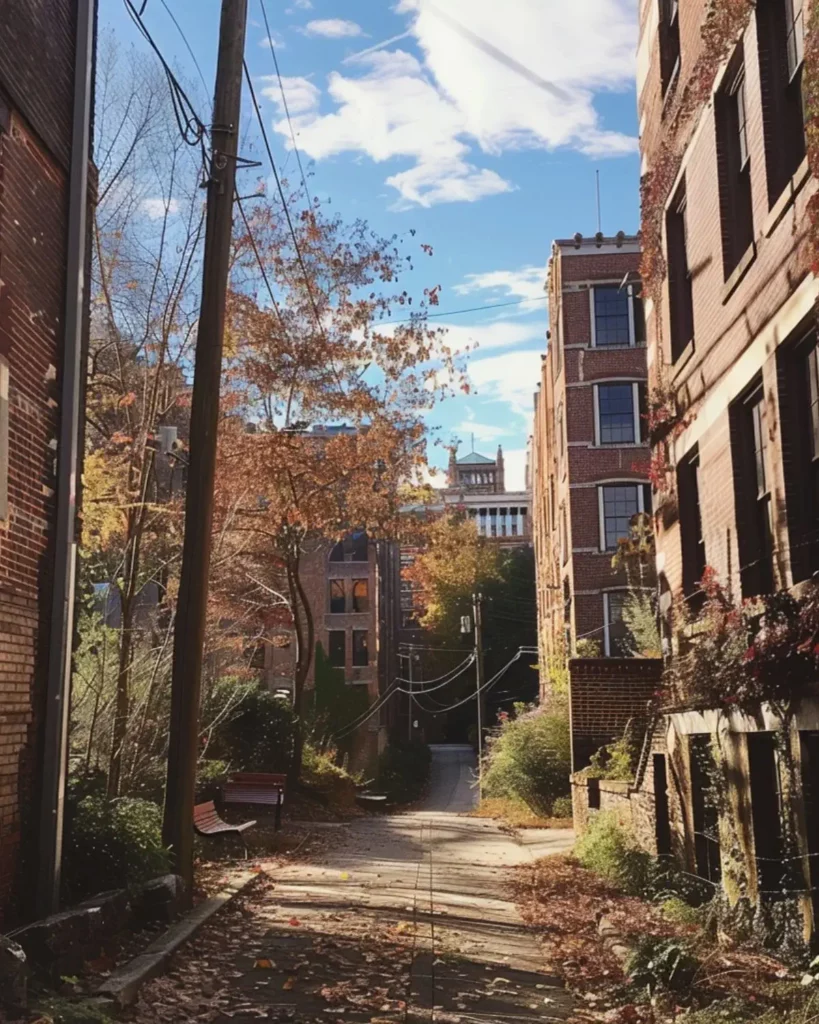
[599,216]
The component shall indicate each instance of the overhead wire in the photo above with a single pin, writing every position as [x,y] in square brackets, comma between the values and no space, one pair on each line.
[284,102]
[185,41]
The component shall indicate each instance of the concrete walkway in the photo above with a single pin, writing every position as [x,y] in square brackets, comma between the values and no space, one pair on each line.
[408,918]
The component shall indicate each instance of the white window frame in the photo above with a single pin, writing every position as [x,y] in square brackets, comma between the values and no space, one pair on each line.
[4,439]
[635,408]
[607,620]
[632,342]
[639,484]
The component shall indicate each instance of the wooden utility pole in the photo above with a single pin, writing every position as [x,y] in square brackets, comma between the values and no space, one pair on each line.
[189,628]
[477,618]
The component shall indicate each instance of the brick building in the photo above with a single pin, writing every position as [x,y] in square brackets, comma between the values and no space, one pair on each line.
[734,413]
[36,111]
[589,453]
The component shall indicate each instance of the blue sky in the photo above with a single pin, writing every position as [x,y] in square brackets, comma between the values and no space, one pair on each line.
[430,131]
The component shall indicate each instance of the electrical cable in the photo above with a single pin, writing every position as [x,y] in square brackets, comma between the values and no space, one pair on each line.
[472,696]
[283,199]
[284,102]
[423,314]
[418,689]
[457,669]
[185,41]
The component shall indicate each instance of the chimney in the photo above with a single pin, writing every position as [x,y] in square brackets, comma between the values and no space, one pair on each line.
[452,472]
[500,482]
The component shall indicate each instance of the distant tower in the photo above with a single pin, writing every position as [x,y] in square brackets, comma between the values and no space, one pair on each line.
[452,471]
[500,483]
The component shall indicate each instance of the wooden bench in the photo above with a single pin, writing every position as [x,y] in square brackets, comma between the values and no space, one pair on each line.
[258,788]
[206,822]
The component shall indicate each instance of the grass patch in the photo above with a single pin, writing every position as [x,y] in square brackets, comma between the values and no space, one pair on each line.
[517,814]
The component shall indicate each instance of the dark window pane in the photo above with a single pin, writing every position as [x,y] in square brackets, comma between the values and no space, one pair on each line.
[361,596]
[361,652]
[621,502]
[681,298]
[617,632]
[616,413]
[353,548]
[337,603]
[611,317]
[337,647]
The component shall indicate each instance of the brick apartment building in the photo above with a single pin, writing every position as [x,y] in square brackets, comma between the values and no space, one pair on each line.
[589,452]
[37,91]
[734,372]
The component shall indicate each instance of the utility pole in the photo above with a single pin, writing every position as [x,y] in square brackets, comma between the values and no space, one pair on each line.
[409,697]
[189,627]
[477,618]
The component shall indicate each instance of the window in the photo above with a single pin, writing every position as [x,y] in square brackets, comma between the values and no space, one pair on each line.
[612,325]
[693,545]
[798,369]
[361,595]
[704,809]
[503,521]
[619,504]
[4,439]
[361,651]
[564,536]
[766,810]
[338,602]
[617,413]
[561,434]
[749,451]
[669,42]
[681,300]
[337,647]
[615,634]
[781,34]
[734,162]
[638,313]
[493,522]
[354,548]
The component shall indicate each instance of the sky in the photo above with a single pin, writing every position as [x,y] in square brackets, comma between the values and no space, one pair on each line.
[479,124]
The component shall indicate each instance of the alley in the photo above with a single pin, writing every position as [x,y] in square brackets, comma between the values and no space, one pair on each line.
[406,918]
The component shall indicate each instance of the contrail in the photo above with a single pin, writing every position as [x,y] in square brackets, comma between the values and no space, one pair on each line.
[373,49]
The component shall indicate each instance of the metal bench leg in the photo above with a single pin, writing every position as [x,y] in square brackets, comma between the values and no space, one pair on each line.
[277,823]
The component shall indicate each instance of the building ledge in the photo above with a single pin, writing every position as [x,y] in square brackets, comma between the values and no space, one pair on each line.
[739,272]
[785,201]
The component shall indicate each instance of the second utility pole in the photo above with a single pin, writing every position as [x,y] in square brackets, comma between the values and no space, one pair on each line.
[477,618]
[191,606]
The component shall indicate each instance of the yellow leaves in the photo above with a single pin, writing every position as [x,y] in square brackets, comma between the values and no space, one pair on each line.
[127,400]
[290,984]
[105,480]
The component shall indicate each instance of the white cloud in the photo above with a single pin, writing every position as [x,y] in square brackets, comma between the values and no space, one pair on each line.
[496,334]
[333,28]
[157,208]
[512,378]
[437,113]
[526,283]
[486,432]
[302,96]
[270,41]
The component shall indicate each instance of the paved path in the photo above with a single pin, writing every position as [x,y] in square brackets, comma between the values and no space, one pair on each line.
[408,919]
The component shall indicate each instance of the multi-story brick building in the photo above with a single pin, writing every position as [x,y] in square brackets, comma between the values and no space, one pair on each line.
[38,46]
[589,453]
[734,414]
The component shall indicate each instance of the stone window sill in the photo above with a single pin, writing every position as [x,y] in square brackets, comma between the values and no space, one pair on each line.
[739,271]
[683,358]
[785,201]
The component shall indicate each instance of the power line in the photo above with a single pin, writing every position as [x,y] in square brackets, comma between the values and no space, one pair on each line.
[283,199]
[284,102]
[238,201]
[185,41]
[457,312]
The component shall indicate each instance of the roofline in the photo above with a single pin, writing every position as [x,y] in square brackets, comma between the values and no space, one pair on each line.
[599,244]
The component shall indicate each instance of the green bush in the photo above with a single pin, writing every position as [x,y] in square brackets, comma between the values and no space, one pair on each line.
[529,758]
[662,965]
[562,807]
[608,850]
[617,761]
[258,734]
[112,844]
[210,777]
[403,770]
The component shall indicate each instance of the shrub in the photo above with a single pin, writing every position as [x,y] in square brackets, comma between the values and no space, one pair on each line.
[210,777]
[615,761]
[111,844]
[562,807]
[403,770]
[529,758]
[320,771]
[258,734]
[662,965]
[608,850]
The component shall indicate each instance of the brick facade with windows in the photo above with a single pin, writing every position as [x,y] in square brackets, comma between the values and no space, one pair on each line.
[35,144]
[589,455]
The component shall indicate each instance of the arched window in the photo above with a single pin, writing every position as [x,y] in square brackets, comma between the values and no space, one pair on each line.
[354,548]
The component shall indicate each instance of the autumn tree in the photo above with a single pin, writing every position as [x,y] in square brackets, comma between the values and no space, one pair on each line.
[308,343]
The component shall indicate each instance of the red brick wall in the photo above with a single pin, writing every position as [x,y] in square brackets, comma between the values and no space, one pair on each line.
[606,693]
[34,147]
[726,323]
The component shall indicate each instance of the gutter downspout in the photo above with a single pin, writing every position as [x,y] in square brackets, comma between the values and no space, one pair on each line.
[65,551]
